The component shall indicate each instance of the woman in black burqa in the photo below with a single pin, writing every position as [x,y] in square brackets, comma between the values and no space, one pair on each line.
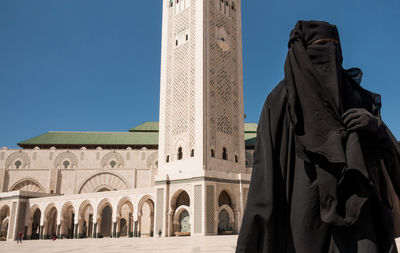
[326,175]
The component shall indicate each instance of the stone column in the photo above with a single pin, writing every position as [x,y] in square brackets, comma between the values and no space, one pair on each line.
[75,235]
[29,232]
[151,225]
[171,225]
[140,224]
[94,235]
[130,234]
[41,232]
[118,233]
[114,232]
[235,225]
[59,231]
[25,232]
[135,232]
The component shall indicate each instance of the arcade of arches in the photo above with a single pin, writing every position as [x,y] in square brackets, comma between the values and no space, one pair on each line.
[106,214]
[86,219]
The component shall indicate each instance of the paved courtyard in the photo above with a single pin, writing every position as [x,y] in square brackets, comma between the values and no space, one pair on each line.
[214,244]
[211,244]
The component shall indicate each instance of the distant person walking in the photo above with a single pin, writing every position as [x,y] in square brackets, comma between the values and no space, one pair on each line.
[20,235]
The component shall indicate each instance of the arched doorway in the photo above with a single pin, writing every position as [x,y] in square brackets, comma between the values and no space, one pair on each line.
[146,217]
[85,223]
[4,229]
[35,227]
[184,221]
[105,221]
[224,223]
[181,218]
[4,221]
[50,221]
[68,229]
[226,218]
[124,218]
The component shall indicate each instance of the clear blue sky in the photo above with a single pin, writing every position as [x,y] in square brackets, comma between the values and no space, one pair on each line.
[93,65]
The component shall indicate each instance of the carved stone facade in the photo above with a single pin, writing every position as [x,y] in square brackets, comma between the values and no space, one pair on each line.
[189,176]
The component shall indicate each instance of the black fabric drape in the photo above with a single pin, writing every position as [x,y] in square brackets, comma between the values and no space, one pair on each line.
[314,186]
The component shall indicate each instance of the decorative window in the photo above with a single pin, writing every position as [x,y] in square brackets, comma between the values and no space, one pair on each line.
[113,164]
[66,164]
[226,8]
[212,153]
[167,160]
[180,153]
[236,159]
[181,37]
[181,5]
[224,154]
[222,39]
[18,164]
[192,153]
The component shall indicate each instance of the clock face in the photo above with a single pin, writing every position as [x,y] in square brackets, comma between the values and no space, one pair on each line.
[222,39]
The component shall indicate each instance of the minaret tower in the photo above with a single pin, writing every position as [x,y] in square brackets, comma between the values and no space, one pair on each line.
[201,136]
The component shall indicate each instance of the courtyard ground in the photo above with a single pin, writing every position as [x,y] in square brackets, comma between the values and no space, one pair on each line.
[209,244]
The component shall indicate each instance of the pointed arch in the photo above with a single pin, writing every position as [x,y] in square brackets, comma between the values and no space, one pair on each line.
[104,180]
[27,184]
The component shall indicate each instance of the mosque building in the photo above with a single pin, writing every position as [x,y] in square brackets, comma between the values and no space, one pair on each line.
[186,175]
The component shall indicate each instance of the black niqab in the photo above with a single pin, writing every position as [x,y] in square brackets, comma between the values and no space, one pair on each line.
[314,184]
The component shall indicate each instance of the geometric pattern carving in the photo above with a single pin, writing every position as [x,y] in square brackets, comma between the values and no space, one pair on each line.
[223,74]
[66,158]
[27,184]
[160,210]
[152,161]
[107,160]
[12,161]
[102,182]
[197,209]
[210,209]
[180,79]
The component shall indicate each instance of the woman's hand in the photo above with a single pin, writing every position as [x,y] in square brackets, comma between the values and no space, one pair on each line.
[357,119]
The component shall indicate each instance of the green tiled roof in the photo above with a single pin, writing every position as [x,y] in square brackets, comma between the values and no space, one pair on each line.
[250,127]
[146,127]
[144,134]
[94,138]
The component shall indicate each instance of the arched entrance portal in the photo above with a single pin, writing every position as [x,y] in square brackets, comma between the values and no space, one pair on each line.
[181,218]
[68,221]
[184,222]
[35,227]
[146,218]
[124,218]
[4,221]
[50,222]
[85,223]
[106,222]
[224,223]
[226,217]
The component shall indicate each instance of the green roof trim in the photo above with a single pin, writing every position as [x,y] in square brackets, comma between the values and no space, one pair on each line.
[146,127]
[142,135]
[93,138]
[250,127]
